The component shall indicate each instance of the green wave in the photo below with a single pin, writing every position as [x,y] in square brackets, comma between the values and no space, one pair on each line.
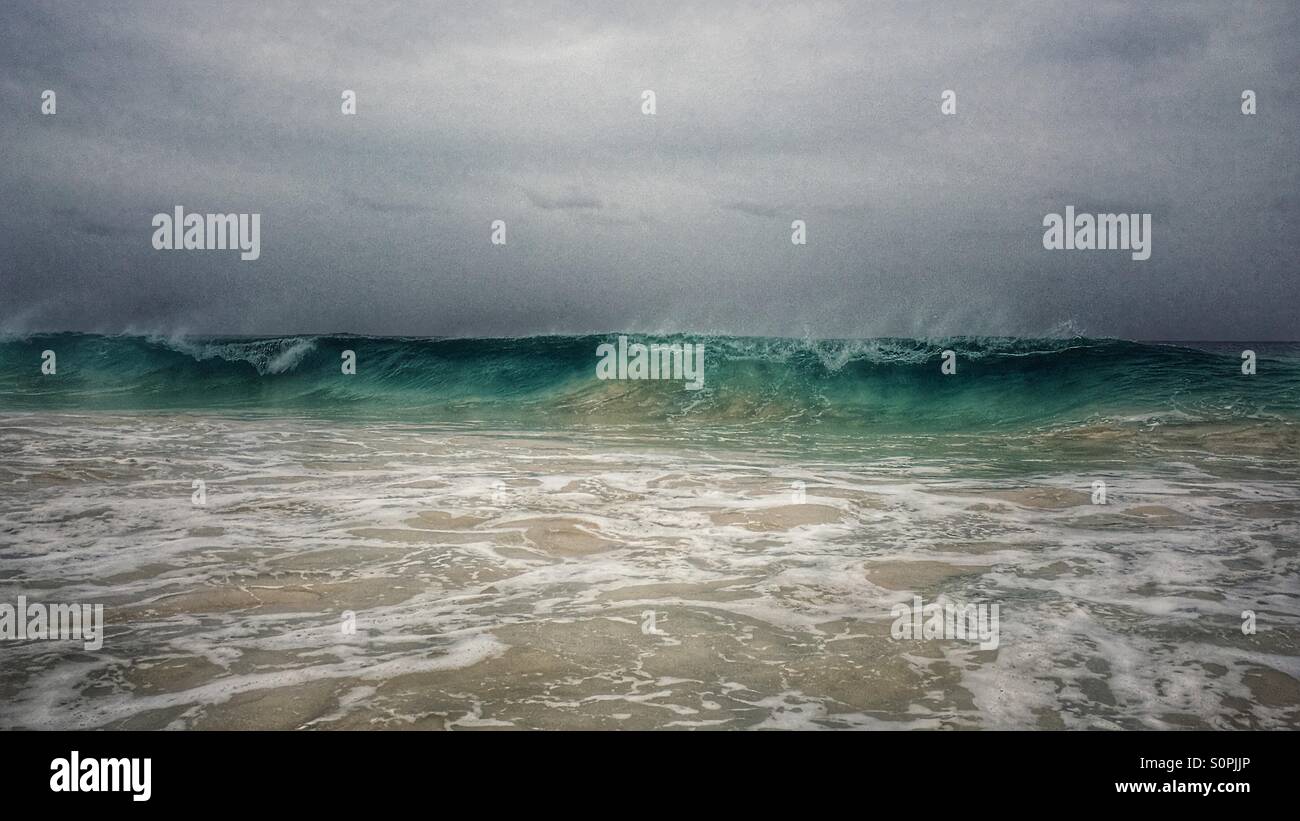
[890,384]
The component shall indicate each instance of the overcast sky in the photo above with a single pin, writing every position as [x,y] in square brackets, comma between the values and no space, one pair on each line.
[918,223]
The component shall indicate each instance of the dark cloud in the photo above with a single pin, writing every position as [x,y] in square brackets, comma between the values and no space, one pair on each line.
[754,209]
[470,112]
[1127,34]
[388,206]
[564,202]
[72,219]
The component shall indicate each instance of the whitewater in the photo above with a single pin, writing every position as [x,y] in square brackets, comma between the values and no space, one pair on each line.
[476,534]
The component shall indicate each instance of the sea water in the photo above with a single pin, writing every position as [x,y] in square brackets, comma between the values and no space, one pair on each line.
[481,533]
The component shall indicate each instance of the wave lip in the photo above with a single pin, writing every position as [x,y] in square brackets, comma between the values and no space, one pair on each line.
[269,356]
[881,383]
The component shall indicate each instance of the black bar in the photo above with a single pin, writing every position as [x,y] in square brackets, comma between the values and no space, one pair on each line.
[303,771]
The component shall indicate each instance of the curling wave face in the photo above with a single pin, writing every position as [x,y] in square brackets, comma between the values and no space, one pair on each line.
[879,384]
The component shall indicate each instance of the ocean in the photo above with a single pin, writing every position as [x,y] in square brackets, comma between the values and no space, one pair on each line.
[480,533]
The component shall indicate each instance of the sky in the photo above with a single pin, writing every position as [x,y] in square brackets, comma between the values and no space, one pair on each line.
[918,223]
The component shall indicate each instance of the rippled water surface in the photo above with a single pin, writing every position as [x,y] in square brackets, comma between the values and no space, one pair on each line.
[645,578]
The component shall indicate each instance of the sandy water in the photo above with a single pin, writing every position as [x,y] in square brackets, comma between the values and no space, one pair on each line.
[345,574]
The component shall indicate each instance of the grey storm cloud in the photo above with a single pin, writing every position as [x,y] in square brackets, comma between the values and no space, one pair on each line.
[388,207]
[72,219]
[754,209]
[1131,36]
[564,202]
[917,223]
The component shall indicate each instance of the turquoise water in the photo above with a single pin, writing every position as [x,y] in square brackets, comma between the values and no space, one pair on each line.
[872,384]
[500,521]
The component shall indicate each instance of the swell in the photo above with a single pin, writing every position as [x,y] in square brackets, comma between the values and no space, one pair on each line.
[893,384]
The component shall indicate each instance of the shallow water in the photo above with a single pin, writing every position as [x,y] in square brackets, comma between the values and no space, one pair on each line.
[504,577]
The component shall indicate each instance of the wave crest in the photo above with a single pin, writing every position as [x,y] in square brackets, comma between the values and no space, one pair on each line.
[888,384]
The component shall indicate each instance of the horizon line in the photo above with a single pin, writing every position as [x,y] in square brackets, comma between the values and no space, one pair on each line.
[146,335]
